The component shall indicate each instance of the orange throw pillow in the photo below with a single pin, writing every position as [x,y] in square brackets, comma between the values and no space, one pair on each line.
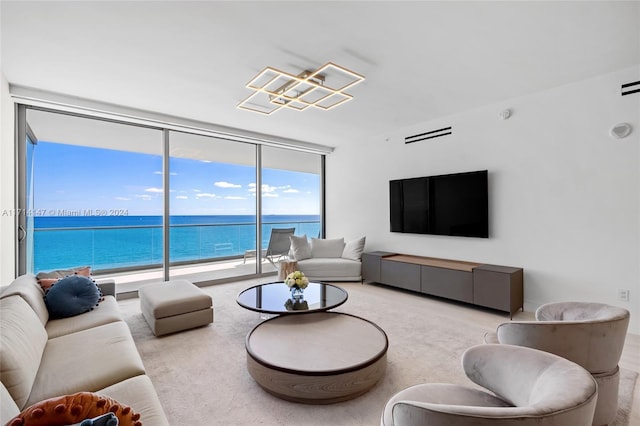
[46,283]
[70,409]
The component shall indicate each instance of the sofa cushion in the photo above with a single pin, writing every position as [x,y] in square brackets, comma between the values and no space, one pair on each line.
[138,393]
[88,360]
[22,343]
[300,248]
[27,287]
[8,407]
[353,249]
[331,269]
[106,312]
[71,296]
[74,409]
[61,273]
[327,248]
[47,279]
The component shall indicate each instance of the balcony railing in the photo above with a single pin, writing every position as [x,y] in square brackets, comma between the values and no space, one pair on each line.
[120,248]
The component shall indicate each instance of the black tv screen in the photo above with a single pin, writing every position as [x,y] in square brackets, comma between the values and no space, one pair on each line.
[455,204]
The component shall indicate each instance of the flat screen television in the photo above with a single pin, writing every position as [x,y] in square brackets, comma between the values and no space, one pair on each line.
[454,204]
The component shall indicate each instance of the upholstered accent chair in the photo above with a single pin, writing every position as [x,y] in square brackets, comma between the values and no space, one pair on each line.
[589,334]
[528,387]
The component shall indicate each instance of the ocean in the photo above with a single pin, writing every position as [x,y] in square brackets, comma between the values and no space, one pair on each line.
[112,242]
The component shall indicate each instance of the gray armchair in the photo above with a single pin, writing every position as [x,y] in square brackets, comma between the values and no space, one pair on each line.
[589,334]
[530,387]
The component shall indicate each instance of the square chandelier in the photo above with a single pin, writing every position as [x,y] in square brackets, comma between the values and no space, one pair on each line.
[323,88]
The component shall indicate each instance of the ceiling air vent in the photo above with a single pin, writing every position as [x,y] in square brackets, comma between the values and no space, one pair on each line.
[428,135]
[630,88]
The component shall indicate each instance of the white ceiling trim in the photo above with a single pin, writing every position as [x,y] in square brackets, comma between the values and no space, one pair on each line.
[74,105]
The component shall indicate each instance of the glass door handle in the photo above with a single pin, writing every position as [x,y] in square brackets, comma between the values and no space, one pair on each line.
[22,236]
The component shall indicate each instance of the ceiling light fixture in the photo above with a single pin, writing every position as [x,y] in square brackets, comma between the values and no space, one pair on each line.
[322,88]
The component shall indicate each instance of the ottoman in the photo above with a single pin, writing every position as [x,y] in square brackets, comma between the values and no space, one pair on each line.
[175,305]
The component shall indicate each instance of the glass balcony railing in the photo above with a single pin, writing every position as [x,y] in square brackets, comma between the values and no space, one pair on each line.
[115,248]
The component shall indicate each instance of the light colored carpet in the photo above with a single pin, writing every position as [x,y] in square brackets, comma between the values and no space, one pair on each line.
[201,377]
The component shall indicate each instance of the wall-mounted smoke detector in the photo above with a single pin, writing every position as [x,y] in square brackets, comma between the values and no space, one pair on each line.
[505,114]
[620,131]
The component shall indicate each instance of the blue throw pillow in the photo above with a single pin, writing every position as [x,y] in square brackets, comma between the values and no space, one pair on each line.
[72,295]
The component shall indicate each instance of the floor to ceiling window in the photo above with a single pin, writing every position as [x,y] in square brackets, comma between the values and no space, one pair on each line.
[144,203]
[291,192]
[96,194]
[212,210]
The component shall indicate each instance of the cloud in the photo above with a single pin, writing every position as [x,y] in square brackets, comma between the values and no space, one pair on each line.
[266,189]
[205,195]
[196,190]
[123,198]
[226,185]
[182,197]
[155,190]
[157,172]
[290,191]
[269,195]
[144,196]
[234,198]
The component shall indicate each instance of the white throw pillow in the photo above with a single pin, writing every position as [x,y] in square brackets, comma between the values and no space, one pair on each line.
[353,249]
[327,248]
[300,247]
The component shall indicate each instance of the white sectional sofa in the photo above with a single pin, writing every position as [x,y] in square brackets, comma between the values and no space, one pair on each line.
[42,358]
[328,259]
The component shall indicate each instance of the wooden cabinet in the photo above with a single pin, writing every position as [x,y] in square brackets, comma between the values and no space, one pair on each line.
[492,286]
[449,283]
[371,265]
[400,274]
[498,287]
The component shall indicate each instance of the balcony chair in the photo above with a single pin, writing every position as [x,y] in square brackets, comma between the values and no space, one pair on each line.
[279,244]
[590,334]
[530,387]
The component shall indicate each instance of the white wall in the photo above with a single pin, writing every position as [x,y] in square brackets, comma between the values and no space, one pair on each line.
[7,221]
[564,196]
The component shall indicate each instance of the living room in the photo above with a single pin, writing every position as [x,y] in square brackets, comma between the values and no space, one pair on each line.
[563,192]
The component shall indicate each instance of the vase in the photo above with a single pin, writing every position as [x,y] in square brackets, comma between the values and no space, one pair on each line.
[296,292]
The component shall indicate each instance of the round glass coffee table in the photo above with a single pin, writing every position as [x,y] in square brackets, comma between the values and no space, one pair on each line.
[275,298]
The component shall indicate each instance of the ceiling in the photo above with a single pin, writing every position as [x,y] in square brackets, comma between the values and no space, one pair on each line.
[422,60]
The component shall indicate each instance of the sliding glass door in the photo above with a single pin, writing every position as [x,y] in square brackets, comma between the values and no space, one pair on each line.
[212,208]
[291,194]
[26,215]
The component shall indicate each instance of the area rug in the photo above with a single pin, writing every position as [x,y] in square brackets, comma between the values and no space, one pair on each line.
[201,376]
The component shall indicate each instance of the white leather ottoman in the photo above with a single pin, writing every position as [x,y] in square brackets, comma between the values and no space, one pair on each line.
[175,305]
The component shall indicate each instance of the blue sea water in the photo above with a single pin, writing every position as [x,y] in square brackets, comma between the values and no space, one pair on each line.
[109,242]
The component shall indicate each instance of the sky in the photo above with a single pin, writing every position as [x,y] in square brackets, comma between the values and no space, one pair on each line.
[72,178]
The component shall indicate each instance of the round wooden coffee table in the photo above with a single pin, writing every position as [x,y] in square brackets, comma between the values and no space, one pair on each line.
[317,358]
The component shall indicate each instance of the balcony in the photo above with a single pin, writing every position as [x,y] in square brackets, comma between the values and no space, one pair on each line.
[133,255]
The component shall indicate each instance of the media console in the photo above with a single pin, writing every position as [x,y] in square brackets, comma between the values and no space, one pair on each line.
[491,286]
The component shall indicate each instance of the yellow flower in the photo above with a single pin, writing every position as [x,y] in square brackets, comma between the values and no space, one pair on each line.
[298,279]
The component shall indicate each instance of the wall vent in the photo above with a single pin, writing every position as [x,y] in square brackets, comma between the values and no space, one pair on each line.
[428,135]
[630,88]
